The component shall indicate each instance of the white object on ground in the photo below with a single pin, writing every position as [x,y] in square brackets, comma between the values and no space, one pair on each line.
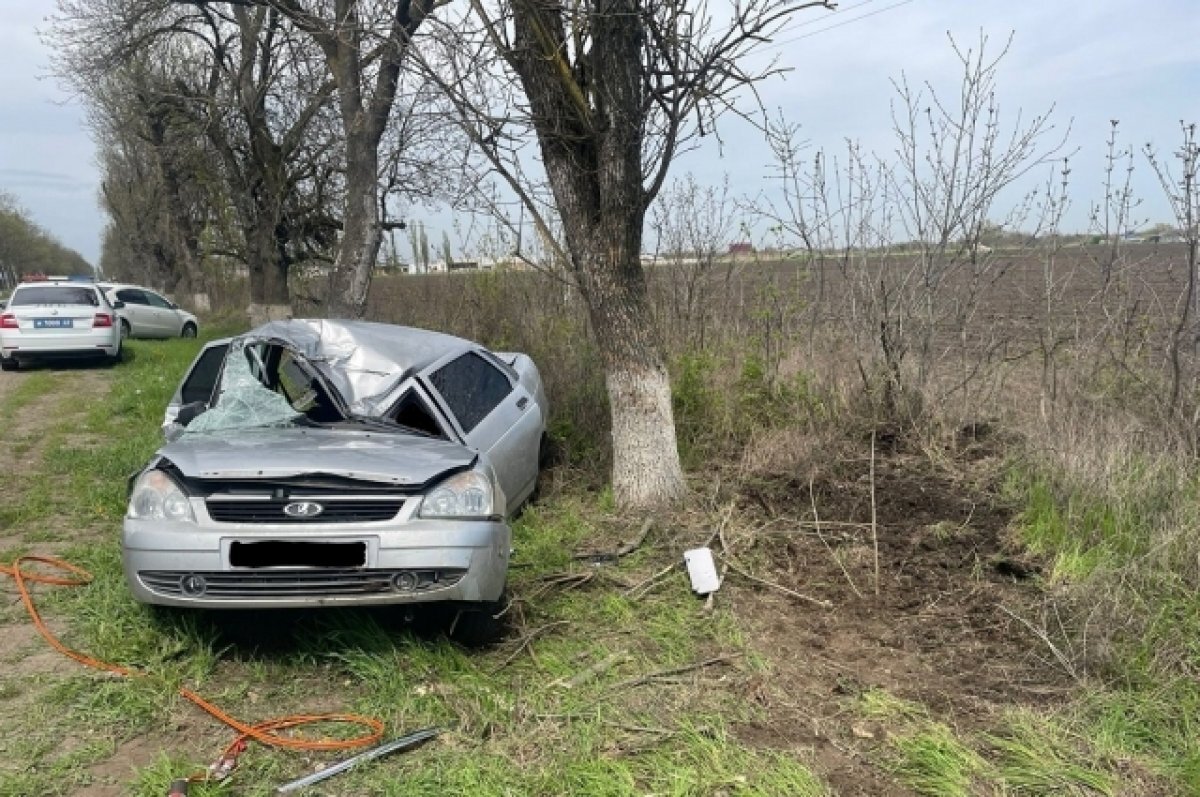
[702,571]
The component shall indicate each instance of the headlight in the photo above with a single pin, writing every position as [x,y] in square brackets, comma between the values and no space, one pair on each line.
[156,496]
[465,495]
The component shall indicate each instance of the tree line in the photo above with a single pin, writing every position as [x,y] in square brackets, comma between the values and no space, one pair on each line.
[25,248]
[273,133]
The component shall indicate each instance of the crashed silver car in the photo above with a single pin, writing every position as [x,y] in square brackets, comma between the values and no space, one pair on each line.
[330,463]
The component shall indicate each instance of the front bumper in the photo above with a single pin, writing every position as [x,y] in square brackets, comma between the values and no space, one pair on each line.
[415,561]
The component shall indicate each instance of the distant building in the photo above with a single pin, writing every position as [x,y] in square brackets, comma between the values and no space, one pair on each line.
[741,248]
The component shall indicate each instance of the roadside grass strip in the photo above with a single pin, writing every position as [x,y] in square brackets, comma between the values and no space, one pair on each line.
[32,387]
[592,692]
[1038,755]
[597,689]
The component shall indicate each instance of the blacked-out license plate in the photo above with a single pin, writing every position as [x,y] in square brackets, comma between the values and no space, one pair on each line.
[289,553]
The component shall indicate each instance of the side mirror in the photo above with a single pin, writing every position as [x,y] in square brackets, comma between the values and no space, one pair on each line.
[174,306]
[118,304]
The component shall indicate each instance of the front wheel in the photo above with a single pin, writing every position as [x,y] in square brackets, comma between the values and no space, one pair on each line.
[476,625]
[124,329]
[189,331]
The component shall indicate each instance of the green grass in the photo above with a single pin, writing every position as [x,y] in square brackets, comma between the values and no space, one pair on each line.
[1040,756]
[31,388]
[515,721]
[1125,547]
[932,761]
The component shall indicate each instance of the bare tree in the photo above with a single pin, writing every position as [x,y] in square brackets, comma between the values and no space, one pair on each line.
[145,140]
[364,44]
[259,103]
[613,91]
[693,225]
[1182,190]
[158,184]
[905,236]
[293,99]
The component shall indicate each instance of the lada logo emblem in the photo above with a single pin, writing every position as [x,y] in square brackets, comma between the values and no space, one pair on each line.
[303,509]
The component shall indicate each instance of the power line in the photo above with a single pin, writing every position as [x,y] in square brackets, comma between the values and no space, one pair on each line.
[876,12]
[796,24]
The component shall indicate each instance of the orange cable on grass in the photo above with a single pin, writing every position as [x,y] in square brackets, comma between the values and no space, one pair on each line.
[263,732]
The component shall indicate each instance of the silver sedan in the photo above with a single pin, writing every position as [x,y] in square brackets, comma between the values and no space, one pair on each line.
[330,463]
[146,314]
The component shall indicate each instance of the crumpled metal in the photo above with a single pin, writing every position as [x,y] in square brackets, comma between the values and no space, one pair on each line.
[363,361]
[243,402]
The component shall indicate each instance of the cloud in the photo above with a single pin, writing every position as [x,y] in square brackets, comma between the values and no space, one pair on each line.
[48,181]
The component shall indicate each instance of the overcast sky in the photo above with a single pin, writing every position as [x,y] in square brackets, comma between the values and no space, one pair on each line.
[1138,62]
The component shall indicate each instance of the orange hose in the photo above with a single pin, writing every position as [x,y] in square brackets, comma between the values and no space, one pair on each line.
[263,732]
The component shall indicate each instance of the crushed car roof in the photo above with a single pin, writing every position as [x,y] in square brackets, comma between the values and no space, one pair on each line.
[363,360]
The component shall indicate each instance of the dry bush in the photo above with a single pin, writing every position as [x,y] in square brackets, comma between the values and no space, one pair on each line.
[1124,485]
[796,453]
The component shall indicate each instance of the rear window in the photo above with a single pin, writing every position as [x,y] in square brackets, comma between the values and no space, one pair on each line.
[55,294]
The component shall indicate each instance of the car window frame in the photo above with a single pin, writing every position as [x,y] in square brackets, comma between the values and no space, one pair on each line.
[440,415]
[426,378]
[140,302]
[213,391]
[151,296]
[20,290]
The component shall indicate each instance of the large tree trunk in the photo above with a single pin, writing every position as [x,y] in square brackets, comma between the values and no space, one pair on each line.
[270,299]
[604,234]
[592,149]
[361,232]
[646,469]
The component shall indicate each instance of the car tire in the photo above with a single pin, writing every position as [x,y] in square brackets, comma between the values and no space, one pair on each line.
[125,330]
[477,625]
[9,364]
[189,330]
[116,358]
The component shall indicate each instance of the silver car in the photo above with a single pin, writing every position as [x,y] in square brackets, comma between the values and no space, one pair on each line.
[331,463]
[147,314]
[58,319]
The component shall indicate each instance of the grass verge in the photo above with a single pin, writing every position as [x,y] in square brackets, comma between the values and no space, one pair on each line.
[571,703]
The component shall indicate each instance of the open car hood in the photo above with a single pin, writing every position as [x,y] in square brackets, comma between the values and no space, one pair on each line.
[273,453]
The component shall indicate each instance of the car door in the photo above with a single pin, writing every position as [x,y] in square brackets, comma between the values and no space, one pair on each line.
[162,316]
[200,380]
[136,311]
[495,415]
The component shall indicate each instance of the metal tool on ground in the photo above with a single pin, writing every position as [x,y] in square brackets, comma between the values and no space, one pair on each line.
[403,744]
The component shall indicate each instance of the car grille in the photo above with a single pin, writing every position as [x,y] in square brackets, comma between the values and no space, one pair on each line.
[296,583]
[333,510]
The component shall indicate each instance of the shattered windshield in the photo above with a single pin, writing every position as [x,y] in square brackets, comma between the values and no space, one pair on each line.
[244,402]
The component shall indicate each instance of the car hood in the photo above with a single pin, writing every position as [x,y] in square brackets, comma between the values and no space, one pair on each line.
[400,459]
